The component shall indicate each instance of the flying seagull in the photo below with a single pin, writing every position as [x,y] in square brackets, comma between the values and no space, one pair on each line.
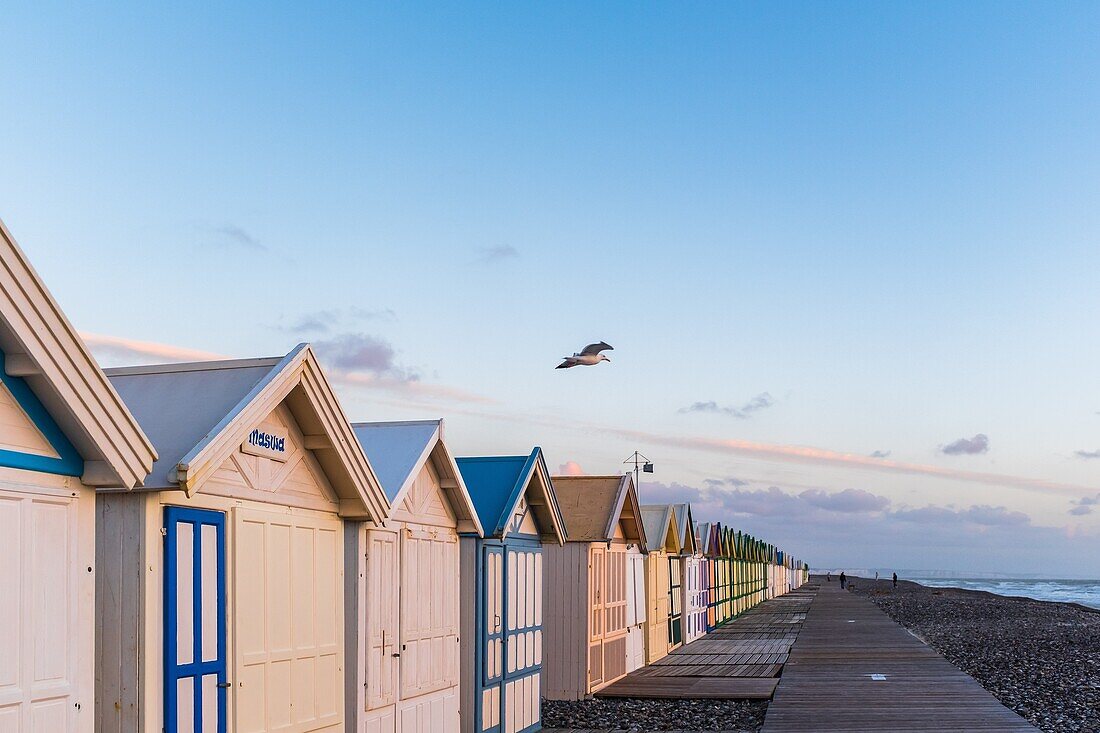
[589,356]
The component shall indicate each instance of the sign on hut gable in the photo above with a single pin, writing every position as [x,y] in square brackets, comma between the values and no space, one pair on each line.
[267,442]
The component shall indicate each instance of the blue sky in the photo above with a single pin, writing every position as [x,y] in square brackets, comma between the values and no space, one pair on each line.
[881,217]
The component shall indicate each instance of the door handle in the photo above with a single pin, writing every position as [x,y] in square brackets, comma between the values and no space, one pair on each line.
[225,685]
[395,655]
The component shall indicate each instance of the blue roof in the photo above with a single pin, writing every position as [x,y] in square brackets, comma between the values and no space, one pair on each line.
[495,484]
[394,449]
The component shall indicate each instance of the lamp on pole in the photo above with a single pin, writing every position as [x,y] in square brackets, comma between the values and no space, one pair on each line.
[641,465]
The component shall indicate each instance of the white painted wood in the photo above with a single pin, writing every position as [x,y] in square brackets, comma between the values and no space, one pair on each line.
[60,369]
[47,639]
[429,611]
[17,431]
[288,593]
[382,624]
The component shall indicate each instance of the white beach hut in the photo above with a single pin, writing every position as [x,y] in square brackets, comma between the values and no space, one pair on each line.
[404,631]
[693,576]
[220,600]
[635,605]
[63,432]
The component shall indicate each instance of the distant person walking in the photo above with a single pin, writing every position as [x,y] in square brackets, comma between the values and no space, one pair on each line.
[876,575]
[843,580]
[829,577]
[895,580]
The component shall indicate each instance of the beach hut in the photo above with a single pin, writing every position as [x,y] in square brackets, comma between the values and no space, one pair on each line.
[502,610]
[664,594]
[705,532]
[221,588]
[635,605]
[63,433]
[587,585]
[693,574]
[404,628]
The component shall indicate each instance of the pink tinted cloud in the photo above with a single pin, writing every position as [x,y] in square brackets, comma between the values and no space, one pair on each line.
[570,468]
[823,456]
[133,350]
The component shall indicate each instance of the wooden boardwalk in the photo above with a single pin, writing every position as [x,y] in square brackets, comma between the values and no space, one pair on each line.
[740,660]
[854,669]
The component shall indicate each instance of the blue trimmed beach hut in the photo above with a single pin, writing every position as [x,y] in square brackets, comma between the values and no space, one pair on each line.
[501,612]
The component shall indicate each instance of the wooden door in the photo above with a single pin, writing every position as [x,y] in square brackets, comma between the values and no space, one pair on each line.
[491,643]
[382,620]
[596,621]
[289,622]
[615,615]
[523,641]
[675,603]
[429,611]
[194,621]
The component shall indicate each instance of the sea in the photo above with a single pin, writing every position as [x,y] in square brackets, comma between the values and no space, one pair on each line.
[1085,592]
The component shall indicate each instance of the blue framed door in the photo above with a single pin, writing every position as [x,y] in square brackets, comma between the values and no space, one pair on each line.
[194,621]
[491,673]
[523,636]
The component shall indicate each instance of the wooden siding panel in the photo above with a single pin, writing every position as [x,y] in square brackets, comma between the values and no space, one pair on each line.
[467,553]
[17,431]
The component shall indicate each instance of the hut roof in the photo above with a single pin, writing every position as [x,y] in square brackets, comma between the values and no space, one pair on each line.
[50,371]
[685,528]
[198,413]
[592,505]
[398,452]
[660,529]
[497,484]
[703,530]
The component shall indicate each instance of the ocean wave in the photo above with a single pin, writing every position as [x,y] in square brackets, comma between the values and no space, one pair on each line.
[1085,592]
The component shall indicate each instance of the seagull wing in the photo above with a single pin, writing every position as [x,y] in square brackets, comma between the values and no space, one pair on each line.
[566,364]
[593,349]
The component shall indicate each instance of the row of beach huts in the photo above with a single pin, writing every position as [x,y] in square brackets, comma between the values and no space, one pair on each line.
[214,546]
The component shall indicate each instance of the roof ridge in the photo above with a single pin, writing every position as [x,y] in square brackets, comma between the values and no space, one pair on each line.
[193,366]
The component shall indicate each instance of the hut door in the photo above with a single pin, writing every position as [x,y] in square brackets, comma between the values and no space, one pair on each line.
[523,643]
[596,598]
[382,629]
[194,621]
[675,599]
[492,637]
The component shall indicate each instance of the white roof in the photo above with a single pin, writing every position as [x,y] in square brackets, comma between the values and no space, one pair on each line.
[198,413]
[42,347]
[398,451]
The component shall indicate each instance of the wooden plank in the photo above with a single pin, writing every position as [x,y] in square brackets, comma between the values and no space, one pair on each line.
[733,688]
[827,681]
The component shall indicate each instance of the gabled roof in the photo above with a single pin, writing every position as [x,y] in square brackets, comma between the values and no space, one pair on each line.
[197,415]
[398,452]
[496,485]
[685,528]
[660,528]
[42,349]
[592,505]
[703,529]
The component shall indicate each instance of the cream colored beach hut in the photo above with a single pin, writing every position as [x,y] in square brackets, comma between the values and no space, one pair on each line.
[63,432]
[221,590]
[662,587]
[586,585]
[403,632]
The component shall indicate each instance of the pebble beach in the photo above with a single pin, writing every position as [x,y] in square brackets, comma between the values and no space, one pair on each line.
[1039,658]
